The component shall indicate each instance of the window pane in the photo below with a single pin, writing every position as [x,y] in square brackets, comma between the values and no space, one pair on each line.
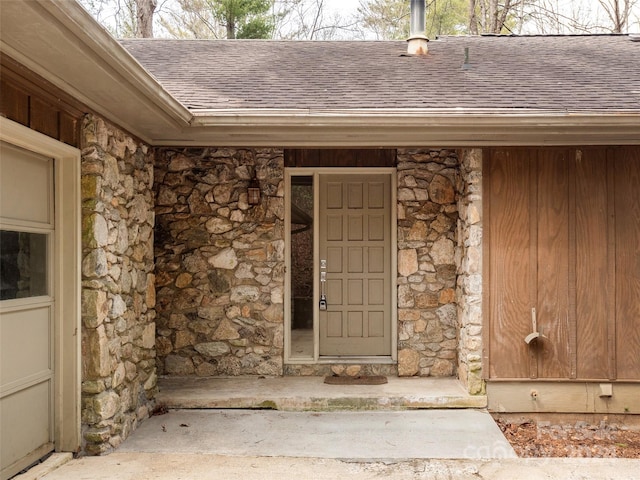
[23,264]
[301,216]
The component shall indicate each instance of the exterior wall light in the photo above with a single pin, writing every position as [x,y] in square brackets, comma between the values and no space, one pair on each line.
[253,191]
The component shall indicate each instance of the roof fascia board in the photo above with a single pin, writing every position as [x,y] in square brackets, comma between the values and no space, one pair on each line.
[399,129]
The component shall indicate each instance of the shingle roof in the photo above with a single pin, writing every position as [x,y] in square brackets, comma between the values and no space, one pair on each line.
[551,73]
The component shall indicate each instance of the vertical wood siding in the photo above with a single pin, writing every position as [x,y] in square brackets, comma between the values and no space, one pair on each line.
[557,219]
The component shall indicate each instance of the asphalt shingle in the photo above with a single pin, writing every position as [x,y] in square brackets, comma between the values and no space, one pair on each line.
[596,73]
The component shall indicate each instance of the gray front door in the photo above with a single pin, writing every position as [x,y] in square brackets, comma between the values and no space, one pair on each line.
[355,243]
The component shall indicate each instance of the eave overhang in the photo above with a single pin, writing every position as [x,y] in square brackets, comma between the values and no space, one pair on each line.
[420,127]
[61,42]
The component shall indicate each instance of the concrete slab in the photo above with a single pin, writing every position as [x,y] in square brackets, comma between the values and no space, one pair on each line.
[312,394]
[355,436]
[162,466]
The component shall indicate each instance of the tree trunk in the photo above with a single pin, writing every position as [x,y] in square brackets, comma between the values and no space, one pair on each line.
[473,20]
[144,14]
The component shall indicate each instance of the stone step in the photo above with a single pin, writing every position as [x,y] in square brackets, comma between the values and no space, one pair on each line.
[312,394]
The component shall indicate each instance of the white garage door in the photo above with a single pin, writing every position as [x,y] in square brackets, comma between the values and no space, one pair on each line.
[26,307]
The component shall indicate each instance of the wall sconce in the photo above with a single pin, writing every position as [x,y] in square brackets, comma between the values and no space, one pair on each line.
[253,191]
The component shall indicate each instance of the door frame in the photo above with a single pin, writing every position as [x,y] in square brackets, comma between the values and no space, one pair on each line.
[315,172]
[66,276]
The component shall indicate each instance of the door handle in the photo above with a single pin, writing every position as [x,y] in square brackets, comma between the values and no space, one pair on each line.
[323,280]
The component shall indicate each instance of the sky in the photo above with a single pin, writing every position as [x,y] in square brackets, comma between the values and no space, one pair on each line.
[347,8]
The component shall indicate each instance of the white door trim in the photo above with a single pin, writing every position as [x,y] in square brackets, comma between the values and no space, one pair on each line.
[316,172]
[66,276]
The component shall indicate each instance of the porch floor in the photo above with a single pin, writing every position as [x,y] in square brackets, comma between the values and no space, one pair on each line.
[312,394]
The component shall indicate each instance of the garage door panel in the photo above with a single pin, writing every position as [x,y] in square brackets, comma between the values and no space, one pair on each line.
[26,181]
[20,433]
[27,233]
[25,345]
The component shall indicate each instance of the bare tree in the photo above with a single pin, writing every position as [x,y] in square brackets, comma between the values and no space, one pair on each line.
[144,17]
[579,17]
[124,18]
[387,19]
[619,12]
[310,20]
[492,16]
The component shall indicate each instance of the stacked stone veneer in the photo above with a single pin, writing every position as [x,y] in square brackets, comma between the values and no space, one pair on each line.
[219,262]
[427,219]
[118,295]
[470,270]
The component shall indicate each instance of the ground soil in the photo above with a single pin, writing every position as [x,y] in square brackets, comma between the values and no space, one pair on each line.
[531,438]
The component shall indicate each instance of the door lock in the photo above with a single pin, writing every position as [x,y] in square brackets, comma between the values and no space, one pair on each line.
[323,302]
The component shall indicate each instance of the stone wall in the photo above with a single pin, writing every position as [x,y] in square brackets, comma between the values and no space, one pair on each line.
[118,294]
[219,262]
[470,270]
[427,217]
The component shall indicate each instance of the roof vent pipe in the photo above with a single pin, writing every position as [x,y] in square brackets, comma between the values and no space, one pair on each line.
[417,41]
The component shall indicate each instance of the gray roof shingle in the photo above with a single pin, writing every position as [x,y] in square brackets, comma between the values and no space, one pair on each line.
[597,74]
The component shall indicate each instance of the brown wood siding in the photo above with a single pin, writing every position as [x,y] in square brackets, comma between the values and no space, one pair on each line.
[33,102]
[563,236]
[508,181]
[553,263]
[340,157]
[627,205]
[592,282]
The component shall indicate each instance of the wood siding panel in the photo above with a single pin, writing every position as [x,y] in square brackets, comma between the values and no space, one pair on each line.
[509,298]
[68,129]
[593,285]
[627,208]
[553,264]
[340,157]
[32,101]
[14,103]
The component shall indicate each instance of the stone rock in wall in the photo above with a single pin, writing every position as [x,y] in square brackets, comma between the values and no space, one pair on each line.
[166,196]
[180,163]
[418,231]
[442,252]
[408,363]
[106,404]
[441,190]
[217,225]
[245,294]
[95,264]
[226,259]
[225,331]
[441,368]
[94,307]
[197,203]
[407,262]
[212,349]
[177,365]
[97,353]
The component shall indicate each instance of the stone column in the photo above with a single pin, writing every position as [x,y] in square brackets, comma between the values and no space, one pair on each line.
[118,286]
[469,261]
[427,216]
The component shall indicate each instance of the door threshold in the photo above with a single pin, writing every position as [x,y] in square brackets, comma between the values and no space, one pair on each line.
[377,359]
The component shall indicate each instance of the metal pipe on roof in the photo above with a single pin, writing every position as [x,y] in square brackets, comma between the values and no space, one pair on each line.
[417,41]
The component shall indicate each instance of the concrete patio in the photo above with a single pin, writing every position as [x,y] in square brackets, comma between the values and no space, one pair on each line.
[312,394]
